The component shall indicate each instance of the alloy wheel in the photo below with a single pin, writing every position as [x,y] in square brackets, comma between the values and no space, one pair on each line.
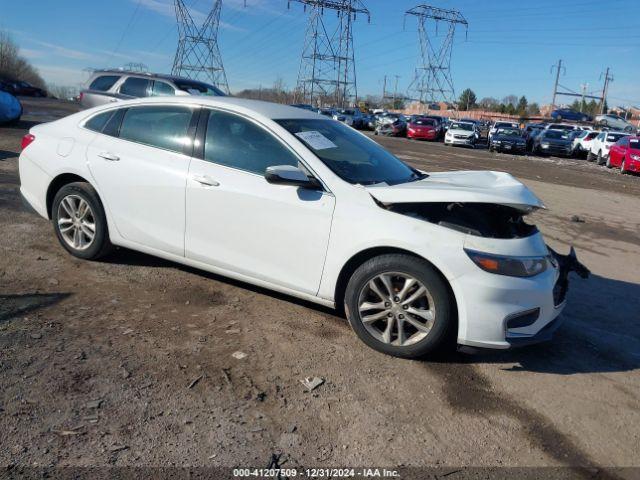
[76,222]
[396,309]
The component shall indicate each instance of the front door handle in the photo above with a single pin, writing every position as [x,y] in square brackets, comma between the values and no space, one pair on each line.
[205,180]
[109,156]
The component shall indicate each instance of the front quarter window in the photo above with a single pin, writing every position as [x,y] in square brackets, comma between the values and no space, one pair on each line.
[349,154]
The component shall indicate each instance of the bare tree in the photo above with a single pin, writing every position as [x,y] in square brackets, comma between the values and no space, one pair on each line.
[15,67]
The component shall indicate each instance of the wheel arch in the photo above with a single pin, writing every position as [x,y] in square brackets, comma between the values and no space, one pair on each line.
[57,183]
[364,255]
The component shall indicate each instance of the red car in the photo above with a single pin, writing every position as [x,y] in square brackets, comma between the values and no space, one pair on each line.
[423,128]
[625,153]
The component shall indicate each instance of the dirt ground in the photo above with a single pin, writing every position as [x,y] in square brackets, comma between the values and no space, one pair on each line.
[128,361]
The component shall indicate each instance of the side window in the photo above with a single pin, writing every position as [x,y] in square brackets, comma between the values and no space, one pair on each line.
[97,122]
[236,142]
[600,137]
[158,126]
[162,89]
[135,87]
[104,82]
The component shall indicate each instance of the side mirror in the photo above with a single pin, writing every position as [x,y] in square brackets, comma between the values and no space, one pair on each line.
[290,175]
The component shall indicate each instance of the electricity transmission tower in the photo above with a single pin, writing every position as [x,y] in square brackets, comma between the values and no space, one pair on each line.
[327,68]
[198,56]
[432,80]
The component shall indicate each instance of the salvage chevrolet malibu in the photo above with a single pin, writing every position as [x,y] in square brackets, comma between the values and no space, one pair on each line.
[290,200]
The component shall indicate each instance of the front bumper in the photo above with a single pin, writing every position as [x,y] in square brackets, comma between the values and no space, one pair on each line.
[509,147]
[460,141]
[515,311]
[428,135]
[557,150]
[631,165]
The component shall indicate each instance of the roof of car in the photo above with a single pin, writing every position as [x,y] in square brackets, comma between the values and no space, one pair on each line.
[163,76]
[270,110]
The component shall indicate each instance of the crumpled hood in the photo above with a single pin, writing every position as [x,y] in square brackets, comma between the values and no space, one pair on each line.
[462,186]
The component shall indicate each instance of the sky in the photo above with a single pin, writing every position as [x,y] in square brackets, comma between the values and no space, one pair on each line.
[509,48]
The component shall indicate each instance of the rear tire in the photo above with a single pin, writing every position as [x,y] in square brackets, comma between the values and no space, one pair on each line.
[399,305]
[80,222]
[590,156]
[599,159]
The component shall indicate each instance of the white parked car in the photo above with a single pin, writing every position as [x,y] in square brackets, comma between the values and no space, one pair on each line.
[614,121]
[581,144]
[462,133]
[290,200]
[600,146]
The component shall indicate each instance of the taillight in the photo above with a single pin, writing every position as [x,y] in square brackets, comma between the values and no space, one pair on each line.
[27,140]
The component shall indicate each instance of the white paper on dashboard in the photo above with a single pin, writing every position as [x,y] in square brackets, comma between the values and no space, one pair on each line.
[316,140]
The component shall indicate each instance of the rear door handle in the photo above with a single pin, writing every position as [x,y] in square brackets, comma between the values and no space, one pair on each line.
[109,156]
[205,180]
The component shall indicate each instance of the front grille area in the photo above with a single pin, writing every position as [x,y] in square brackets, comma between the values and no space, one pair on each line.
[460,137]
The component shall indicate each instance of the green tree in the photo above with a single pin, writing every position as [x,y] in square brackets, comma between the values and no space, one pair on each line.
[533,109]
[522,105]
[510,110]
[467,99]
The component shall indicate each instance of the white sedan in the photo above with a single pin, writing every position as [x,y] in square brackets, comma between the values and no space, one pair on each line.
[293,201]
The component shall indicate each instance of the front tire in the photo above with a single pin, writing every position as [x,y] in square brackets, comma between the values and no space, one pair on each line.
[599,159]
[399,305]
[80,222]
[623,169]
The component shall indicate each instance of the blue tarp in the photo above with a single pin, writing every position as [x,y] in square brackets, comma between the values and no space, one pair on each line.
[10,108]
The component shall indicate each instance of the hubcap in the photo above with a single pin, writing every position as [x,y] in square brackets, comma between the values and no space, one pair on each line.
[76,222]
[396,309]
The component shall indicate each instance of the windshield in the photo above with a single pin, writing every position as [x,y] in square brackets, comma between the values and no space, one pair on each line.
[614,137]
[461,126]
[503,124]
[198,88]
[556,134]
[509,132]
[349,154]
[424,121]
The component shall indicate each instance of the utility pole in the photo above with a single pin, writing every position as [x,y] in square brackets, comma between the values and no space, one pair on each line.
[384,88]
[198,56]
[558,68]
[327,67]
[395,91]
[432,80]
[607,79]
[583,87]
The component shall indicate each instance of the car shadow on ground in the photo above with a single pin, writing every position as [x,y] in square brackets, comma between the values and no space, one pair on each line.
[124,256]
[5,154]
[12,306]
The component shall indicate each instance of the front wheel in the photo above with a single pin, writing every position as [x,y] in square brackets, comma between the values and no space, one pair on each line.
[399,305]
[79,221]
[623,169]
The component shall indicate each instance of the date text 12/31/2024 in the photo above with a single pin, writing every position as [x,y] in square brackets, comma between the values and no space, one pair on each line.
[314,473]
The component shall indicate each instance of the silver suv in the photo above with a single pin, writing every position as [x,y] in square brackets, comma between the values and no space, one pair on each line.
[107,86]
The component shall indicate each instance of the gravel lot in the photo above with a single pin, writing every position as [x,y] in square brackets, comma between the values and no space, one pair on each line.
[129,361]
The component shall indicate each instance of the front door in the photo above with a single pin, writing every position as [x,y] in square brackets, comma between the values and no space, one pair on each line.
[238,222]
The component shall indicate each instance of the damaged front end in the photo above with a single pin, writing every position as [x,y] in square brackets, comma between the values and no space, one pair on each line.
[479,219]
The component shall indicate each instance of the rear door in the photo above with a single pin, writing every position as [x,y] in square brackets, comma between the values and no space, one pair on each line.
[239,222]
[140,166]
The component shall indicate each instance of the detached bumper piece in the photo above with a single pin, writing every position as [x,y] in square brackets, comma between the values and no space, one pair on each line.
[566,264]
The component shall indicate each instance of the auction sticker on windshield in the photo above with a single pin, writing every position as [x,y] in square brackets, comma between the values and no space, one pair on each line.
[316,140]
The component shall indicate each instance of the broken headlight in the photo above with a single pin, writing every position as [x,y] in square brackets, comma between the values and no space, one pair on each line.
[510,266]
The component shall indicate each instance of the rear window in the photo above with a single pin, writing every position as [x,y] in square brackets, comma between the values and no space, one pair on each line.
[614,137]
[634,144]
[98,122]
[104,82]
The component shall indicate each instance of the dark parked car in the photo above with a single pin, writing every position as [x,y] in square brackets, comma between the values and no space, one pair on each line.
[530,132]
[553,142]
[25,89]
[568,114]
[510,140]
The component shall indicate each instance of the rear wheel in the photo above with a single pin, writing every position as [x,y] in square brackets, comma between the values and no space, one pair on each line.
[79,221]
[599,160]
[608,162]
[590,156]
[399,305]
